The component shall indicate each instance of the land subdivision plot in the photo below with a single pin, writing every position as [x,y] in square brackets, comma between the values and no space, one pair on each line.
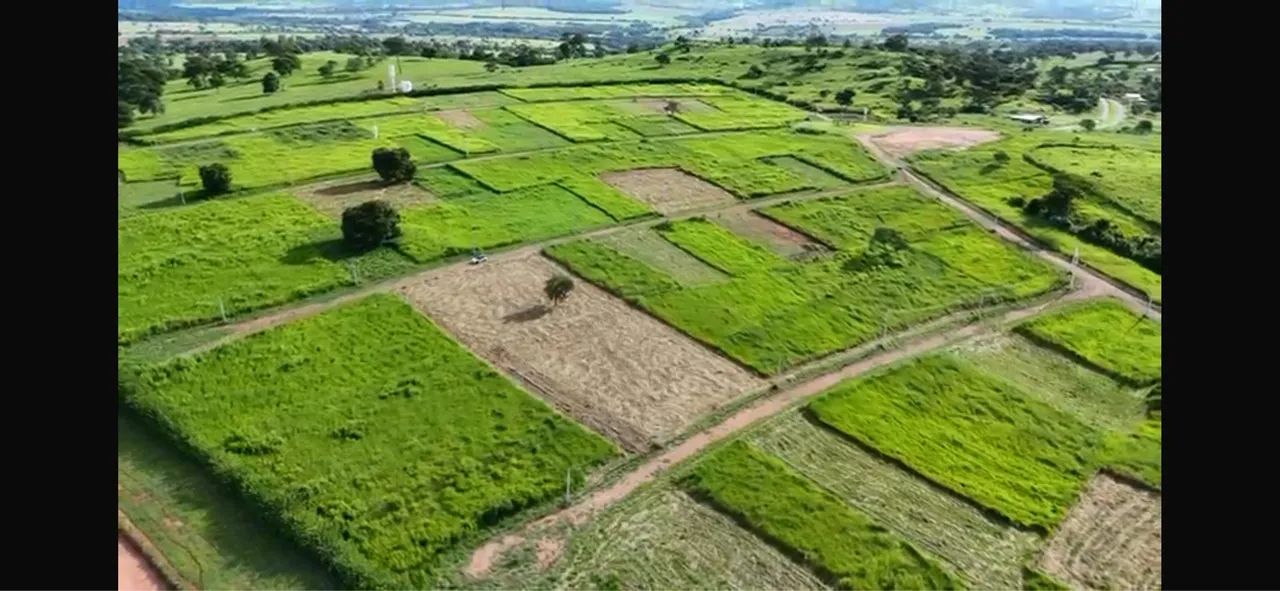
[904,141]
[658,106]
[668,190]
[1110,539]
[460,119]
[616,369]
[775,236]
[333,197]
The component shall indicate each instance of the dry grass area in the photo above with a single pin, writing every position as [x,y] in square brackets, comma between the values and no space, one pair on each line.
[460,119]
[668,190]
[779,238]
[615,369]
[904,141]
[1110,540]
[332,197]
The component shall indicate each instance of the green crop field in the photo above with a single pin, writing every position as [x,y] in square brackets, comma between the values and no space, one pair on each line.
[1126,165]
[988,553]
[773,313]
[176,267]
[371,436]
[848,548]
[1106,335]
[975,434]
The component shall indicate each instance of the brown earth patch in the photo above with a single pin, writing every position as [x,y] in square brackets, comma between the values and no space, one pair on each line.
[460,119]
[779,238]
[549,550]
[332,197]
[1110,539]
[133,571]
[903,141]
[668,190]
[615,369]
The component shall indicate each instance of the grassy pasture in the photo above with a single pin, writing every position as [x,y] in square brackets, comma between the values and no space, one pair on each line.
[1129,177]
[839,542]
[974,175]
[1104,334]
[974,434]
[773,313]
[175,266]
[496,131]
[615,91]
[377,441]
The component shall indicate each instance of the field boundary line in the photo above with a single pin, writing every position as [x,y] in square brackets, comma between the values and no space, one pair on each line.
[149,552]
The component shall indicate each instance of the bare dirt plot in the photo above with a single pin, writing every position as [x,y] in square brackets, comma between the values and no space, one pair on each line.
[133,571]
[668,190]
[460,119]
[1110,539]
[615,369]
[779,238]
[332,197]
[903,141]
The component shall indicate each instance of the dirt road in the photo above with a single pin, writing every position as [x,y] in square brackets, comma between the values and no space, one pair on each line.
[484,557]
[134,571]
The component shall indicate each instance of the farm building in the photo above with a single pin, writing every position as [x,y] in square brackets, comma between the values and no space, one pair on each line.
[1030,118]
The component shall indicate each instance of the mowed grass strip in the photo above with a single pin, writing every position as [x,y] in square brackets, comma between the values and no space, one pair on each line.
[372,437]
[719,247]
[974,434]
[1104,334]
[184,266]
[815,527]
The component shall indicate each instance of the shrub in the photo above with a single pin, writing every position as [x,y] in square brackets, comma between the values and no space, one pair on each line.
[394,164]
[1088,124]
[558,288]
[1001,157]
[370,224]
[215,178]
[270,83]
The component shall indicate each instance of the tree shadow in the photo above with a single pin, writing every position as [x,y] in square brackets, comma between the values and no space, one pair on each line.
[529,314]
[330,249]
[325,81]
[988,169]
[188,198]
[349,188]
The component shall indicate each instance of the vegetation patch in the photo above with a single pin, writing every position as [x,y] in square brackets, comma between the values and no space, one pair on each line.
[447,449]
[336,131]
[842,544]
[969,432]
[1104,334]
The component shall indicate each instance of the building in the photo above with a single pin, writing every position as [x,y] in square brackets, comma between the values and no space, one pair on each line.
[1030,119]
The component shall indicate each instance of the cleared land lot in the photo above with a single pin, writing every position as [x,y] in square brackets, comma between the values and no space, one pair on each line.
[614,368]
[1110,540]
[668,190]
[332,197]
[903,141]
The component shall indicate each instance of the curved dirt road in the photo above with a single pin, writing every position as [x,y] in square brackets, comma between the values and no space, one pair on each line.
[134,571]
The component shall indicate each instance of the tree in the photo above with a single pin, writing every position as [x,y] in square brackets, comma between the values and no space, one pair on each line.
[662,59]
[1001,157]
[355,64]
[215,178]
[491,66]
[1088,124]
[845,97]
[327,69]
[394,164]
[370,225]
[557,288]
[285,64]
[395,46]
[671,107]
[1144,126]
[896,43]
[270,83]
[754,72]
[126,114]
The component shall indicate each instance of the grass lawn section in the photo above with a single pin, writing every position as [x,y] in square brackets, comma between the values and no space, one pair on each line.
[974,434]
[719,247]
[741,111]
[174,266]
[974,175]
[817,528]
[535,95]
[1128,176]
[201,527]
[497,131]
[487,220]
[1104,334]
[612,201]
[1137,452]
[377,440]
[284,117]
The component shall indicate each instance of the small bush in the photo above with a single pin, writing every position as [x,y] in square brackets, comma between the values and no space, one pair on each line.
[394,164]
[215,178]
[370,225]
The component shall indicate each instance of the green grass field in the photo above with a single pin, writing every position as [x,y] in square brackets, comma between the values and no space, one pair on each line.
[1106,335]
[773,313]
[974,175]
[374,438]
[1129,177]
[176,267]
[972,433]
[844,545]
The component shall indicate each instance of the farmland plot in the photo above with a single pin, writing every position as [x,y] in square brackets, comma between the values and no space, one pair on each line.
[1130,177]
[369,435]
[615,369]
[333,197]
[1110,540]
[1104,334]
[773,312]
[668,190]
